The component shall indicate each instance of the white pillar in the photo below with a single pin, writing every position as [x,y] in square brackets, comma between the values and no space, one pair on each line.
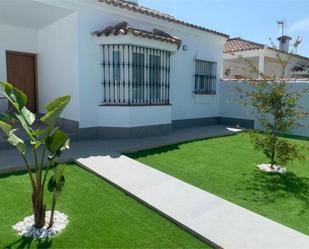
[261,62]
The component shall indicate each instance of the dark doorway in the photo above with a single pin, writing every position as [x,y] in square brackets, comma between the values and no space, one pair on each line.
[21,72]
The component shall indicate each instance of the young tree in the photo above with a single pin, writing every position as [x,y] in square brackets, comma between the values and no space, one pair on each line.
[276,106]
[45,145]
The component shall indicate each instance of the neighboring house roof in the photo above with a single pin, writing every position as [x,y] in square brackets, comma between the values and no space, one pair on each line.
[238,44]
[156,14]
[300,68]
[123,28]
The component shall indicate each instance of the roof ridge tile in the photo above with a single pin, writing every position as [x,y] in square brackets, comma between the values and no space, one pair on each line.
[124,28]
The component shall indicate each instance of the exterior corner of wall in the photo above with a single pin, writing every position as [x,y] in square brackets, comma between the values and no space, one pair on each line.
[58,65]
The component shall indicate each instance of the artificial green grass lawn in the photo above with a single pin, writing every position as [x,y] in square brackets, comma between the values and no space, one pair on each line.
[226,166]
[100,215]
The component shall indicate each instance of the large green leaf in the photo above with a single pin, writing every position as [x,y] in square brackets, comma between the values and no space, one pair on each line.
[28,115]
[5,88]
[55,108]
[58,172]
[26,119]
[43,133]
[17,142]
[57,180]
[41,136]
[5,127]
[5,118]
[17,98]
[57,102]
[5,123]
[56,142]
[25,125]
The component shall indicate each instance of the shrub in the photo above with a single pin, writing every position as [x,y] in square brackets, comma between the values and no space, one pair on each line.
[276,107]
[45,145]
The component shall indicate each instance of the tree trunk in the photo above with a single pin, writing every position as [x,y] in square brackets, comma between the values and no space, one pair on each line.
[51,221]
[38,208]
[273,151]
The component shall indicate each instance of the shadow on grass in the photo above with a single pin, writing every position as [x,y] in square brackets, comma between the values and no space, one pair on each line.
[155,151]
[296,137]
[22,172]
[27,243]
[167,148]
[15,173]
[270,187]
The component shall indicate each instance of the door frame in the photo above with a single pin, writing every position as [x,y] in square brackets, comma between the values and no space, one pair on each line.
[34,56]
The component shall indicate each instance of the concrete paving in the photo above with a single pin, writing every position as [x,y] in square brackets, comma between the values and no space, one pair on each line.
[11,161]
[213,219]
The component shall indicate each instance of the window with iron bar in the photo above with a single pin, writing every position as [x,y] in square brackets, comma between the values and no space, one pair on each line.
[205,77]
[134,75]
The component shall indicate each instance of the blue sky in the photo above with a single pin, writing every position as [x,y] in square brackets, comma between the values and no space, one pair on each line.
[250,19]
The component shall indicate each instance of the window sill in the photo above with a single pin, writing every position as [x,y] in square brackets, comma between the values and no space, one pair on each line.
[205,94]
[134,105]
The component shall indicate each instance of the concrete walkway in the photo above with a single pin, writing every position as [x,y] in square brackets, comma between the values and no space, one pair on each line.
[213,219]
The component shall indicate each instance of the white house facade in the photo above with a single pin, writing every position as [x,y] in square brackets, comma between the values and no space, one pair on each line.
[131,71]
[150,74]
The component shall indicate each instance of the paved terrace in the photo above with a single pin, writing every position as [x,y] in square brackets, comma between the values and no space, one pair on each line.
[214,220]
[11,161]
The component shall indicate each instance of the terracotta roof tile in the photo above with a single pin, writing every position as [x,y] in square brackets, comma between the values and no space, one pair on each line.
[157,14]
[238,44]
[123,28]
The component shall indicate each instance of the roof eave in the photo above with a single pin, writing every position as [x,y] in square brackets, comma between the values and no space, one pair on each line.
[161,16]
[242,50]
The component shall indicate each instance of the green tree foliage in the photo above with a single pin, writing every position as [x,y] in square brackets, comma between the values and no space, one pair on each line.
[276,107]
[45,145]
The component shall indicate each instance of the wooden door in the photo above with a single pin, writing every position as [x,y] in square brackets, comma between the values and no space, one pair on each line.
[21,72]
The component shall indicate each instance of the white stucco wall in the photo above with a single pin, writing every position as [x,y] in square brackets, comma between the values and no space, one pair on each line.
[17,39]
[185,105]
[274,68]
[58,65]
[229,101]
[133,116]
[230,104]
[56,47]
[239,68]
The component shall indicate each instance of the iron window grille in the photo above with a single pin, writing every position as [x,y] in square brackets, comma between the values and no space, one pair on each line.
[134,75]
[205,77]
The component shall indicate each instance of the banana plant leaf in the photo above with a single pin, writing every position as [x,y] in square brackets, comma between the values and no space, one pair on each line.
[17,98]
[57,142]
[54,109]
